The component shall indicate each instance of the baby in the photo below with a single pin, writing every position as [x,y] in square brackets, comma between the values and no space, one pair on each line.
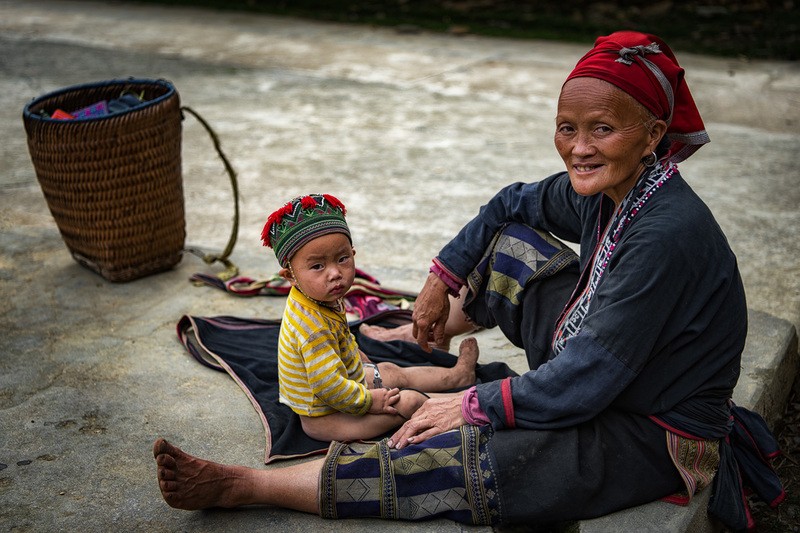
[323,375]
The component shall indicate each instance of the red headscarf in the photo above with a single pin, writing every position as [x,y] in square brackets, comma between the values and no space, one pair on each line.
[643,66]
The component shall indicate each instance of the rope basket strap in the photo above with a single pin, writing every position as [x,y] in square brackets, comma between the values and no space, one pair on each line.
[113,183]
[230,269]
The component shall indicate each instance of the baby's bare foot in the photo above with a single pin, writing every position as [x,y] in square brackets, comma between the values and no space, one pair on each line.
[187,482]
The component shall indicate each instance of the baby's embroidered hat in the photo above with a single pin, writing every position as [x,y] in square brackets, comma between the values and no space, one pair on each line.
[303,219]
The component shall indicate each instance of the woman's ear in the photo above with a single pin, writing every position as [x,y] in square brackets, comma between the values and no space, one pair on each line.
[657,132]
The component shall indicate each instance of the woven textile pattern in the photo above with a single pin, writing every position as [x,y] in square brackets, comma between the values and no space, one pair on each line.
[447,476]
[517,256]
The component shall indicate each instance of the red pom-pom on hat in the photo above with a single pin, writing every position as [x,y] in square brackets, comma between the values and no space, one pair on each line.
[335,202]
[265,232]
[308,202]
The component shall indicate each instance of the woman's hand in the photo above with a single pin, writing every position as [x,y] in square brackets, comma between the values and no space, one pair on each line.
[437,415]
[431,309]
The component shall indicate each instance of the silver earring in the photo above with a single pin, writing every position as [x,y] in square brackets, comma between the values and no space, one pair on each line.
[650,164]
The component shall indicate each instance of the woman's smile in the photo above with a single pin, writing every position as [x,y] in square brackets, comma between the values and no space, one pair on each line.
[584,169]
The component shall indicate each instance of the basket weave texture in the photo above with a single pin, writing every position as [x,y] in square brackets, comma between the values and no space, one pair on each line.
[113,184]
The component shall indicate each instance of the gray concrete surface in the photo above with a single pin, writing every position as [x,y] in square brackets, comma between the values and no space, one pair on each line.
[413,132]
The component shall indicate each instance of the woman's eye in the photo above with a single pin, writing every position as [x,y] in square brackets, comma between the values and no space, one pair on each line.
[603,129]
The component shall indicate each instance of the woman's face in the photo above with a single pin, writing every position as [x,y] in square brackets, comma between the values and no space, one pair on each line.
[602,136]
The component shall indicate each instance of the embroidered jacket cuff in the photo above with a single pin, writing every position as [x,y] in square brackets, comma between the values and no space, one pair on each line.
[453,283]
[508,402]
[471,409]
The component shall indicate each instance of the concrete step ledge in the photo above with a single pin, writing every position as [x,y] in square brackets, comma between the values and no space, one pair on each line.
[769,366]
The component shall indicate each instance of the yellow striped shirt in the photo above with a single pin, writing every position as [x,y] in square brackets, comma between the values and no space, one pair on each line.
[319,365]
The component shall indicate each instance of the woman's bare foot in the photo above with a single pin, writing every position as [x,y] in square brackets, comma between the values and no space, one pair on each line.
[399,333]
[187,482]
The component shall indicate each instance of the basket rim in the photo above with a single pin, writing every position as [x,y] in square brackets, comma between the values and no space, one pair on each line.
[28,115]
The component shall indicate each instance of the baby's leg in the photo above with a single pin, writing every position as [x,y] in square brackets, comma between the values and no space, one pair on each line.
[435,378]
[346,427]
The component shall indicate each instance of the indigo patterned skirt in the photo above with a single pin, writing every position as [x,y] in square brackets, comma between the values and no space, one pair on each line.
[447,476]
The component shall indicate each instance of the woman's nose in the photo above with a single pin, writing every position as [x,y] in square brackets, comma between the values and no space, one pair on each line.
[582,144]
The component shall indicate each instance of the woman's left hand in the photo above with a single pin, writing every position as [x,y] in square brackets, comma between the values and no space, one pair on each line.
[437,415]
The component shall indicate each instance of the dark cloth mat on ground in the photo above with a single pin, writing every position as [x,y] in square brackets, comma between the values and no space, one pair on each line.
[247,349]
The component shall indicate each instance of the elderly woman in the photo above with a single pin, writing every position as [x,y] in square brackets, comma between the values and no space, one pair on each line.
[634,347]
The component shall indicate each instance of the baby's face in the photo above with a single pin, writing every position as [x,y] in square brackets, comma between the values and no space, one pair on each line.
[324,268]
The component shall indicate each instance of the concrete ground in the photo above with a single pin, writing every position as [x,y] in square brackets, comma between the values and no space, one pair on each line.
[412,131]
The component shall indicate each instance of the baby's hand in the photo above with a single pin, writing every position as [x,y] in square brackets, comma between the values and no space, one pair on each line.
[383,401]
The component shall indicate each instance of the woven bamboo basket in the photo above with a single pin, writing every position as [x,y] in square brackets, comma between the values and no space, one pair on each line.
[113,184]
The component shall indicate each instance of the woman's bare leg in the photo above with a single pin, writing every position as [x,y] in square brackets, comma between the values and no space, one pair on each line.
[435,378]
[457,324]
[187,482]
